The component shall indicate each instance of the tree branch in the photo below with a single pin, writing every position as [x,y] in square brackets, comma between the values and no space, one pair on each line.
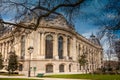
[18,25]
[39,17]
[55,8]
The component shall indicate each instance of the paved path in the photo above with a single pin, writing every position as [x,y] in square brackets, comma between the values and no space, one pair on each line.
[37,78]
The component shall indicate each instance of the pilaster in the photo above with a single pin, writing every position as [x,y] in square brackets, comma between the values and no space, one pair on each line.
[65,48]
[42,45]
[55,47]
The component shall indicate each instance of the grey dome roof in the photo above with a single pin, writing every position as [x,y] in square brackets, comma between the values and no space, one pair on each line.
[94,39]
[54,19]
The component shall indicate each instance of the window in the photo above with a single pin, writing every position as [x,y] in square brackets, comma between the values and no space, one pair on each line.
[22,47]
[79,49]
[60,47]
[68,47]
[61,68]
[49,68]
[49,47]
[70,66]
[20,67]
[80,67]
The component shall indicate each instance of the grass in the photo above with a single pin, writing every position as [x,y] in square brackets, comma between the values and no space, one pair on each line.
[17,79]
[86,76]
[12,74]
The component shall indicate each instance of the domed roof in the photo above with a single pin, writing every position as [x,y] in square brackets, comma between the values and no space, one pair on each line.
[58,21]
[94,40]
[53,20]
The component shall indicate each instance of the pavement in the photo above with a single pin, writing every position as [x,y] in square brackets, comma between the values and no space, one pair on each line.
[37,78]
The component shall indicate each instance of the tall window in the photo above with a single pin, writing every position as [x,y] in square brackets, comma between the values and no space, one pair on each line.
[68,47]
[49,68]
[49,47]
[22,47]
[60,47]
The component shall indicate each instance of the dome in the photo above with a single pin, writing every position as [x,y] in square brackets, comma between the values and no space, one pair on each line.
[94,40]
[58,21]
[53,20]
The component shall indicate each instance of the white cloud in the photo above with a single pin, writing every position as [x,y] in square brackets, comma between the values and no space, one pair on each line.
[87,35]
[89,32]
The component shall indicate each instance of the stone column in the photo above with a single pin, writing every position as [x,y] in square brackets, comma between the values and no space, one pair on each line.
[82,50]
[38,44]
[65,48]
[71,48]
[8,49]
[5,50]
[3,53]
[1,48]
[42,46]
[93,60]
[77,48]
[55,47]
[26,47]
[74,48]
[9,46]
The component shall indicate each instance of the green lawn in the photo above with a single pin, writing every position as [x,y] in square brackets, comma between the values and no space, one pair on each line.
[86,76]
[16,79]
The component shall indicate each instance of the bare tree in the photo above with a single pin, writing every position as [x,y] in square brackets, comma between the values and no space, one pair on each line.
[38,9]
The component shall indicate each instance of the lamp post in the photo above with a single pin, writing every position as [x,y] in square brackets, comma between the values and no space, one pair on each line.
[30,50]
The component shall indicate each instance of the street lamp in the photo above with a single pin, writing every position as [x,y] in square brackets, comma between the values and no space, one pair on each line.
[30,50]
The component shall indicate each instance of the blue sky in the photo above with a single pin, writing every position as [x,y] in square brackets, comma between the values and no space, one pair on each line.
[86,26]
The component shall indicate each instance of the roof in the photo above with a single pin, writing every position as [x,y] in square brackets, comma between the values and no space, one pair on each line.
[94,39]
[55,19]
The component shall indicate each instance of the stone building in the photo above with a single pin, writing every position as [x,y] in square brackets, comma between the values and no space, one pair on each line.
[57,47]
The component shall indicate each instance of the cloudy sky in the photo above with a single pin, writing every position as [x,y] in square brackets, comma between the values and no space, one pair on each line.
[86,26]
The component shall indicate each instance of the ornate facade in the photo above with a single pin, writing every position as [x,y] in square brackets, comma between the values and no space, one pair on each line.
[57,47]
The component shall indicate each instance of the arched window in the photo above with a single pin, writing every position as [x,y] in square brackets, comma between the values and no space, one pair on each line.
[60,47]
[49,47]
[68,47]
[22,47]
[61,68]
[49,68]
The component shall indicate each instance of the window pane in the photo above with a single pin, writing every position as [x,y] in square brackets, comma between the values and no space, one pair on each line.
[49,47]
[60,47]
[22,47]
[49,68]
[61,68]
